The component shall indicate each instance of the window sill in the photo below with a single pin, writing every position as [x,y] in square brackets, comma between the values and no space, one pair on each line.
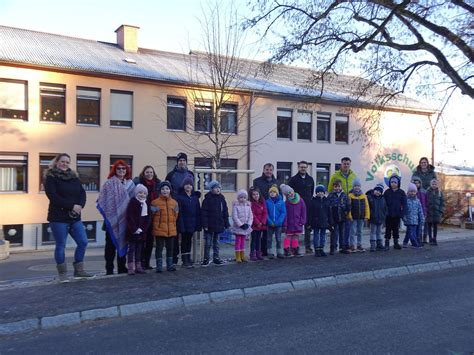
[122,127]
[284,139]
[88,124]
[324,142]
[229,134]
[13,192]
[176,130]
[53,122]
[342,143]
[203,132]
[304,140]
[12,119]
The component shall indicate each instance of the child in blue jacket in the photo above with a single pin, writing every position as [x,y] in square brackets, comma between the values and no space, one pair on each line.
[276,213]
[413,217]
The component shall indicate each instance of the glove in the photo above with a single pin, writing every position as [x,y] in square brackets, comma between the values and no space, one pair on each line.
[138,231]
[244,226]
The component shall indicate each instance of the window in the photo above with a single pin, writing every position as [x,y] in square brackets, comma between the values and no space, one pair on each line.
[203,163]
[91,230]
[126,158]
[176,114]
[88,168]
[121,108]
[13,99]
[14,234]
[304,125]
[229,118]
[323,129]
[284,120]
[170,163]
[45,160]
[46,234]
[229,181]
[13,172]
[337,166]
[322,174]
[283,172]
[203,117]
[53,102]
[342,128]
[88,106]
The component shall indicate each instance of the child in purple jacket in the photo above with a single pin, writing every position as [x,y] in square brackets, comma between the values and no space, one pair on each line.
[294,222]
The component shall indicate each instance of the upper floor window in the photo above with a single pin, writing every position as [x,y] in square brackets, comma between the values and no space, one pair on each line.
[176,114]
[203,117]
[13,172]
[342,128]
[229,118]
[88,106]
[53,102]
[13,99]
[304,125]
[323,129]
[121,108]
[284,122]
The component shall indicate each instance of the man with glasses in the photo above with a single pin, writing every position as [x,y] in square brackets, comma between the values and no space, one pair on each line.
[303,184]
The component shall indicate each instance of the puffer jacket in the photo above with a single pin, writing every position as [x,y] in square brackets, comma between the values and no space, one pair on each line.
[259,210]
[346,181]
[396,201]
[359,206]
[320,213]
[435,208]
[378,208]
[135,220]
[164,221]
[214,213]
[414,212]
[295,215]
[339,206]
[276,212]
[189,219]
[241,214]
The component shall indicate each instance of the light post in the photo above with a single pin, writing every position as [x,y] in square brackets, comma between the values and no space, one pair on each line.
[469,210]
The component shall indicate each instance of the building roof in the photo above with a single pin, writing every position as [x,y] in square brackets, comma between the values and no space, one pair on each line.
[52,51]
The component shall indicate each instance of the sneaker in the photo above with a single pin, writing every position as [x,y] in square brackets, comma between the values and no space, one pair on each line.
[322,253]
[205,262]
[360,249]
[271,256]
[345,251]
[308,250]
[218,261]
[280,256]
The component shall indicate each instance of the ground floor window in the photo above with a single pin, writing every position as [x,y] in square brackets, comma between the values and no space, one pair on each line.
[283,172]
[322,174]
[14,234]
[88,168]
[13,172]
[229,181]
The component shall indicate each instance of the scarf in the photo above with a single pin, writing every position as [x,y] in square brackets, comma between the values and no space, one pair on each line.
[112,205]
[151,186]
[144,207]
[61,174]
[295,200]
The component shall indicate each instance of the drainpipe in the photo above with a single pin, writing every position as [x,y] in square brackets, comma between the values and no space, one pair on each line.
[249,119]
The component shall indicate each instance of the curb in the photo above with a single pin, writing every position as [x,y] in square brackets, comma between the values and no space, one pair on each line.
[127,310]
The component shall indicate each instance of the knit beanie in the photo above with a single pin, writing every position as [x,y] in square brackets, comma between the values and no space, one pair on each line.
[213,184]
[412,187]
[140,188]
[320,188]
[286,190]
[274,188]
[181,156]
[415,178]
[379,187]
[356,182]
[188,180]
[163,184]
[242,193]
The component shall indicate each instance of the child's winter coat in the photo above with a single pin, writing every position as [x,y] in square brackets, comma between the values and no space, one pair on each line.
[320,213]
[276,212]
[189,219]
[339,207]
[359,206]
[378,208]
[414,212]
[164,221]
[241,214]
[295,215]
[396,200]
[259,210]
[135,220]
[214,213]
[435,207]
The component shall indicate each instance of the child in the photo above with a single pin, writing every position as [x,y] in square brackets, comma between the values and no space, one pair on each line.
[320,219]
[259,211]
[413,217]
[358,214]
[242,219]
[435,210]
[339,207]
[378,214]
[396,200]
[189,219]
[164,225]
[295,220]
[214,219]
[276,213]
[421,194]
[138,221]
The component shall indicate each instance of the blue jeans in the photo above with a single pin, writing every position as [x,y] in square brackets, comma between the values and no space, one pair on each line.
[211,239]
[411,235]
[338,234]
[78,233]
[347,232]
[375,232]
[356,230]
[319,238]
[277,232]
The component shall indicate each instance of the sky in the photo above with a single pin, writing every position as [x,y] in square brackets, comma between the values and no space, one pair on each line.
[173,25]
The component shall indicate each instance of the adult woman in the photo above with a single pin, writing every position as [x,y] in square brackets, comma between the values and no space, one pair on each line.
[112,204]
[67,198]
[148,178]
[425,171]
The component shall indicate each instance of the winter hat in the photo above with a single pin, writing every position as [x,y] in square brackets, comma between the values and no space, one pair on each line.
[379,187]
[188,180]
[274,188]
[242,193]
[140,188]
[356,182]
[412,187]
[182,156]
[416,178]
[163,184]
[320,188]
[286,190]
[213,184]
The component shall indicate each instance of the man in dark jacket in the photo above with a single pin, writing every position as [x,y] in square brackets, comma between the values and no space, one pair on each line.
[303,184]
[179,173]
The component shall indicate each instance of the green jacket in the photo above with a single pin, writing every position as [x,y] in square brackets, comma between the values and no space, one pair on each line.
[346,182]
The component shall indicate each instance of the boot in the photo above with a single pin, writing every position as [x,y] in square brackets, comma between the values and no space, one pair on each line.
[159,265]
[387,244]
[259,255]
[287,253]
[280,254]
[189,263]
[373,246]
[79,272]
[131,268]
[253,256]
[238,257]
[243,257]
[425,239]
[317,252]
[331,250]
[296,251]
[322,253]
[139,269]
[396,245]
[62,273]
[169,264]
[380,245]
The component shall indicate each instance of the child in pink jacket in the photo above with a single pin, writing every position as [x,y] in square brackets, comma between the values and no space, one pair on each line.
[242,220]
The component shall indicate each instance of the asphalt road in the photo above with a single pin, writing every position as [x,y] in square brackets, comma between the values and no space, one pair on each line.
[429,313]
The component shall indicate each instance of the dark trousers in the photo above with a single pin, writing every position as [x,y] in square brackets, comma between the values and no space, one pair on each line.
[392,225]
[109,255]
[255,241]
[263,243]
[175,249]
[186,243]
[411,235]
[338,234]
[432,231]
[148,248]
[134,254]
[166,242]
[307,235]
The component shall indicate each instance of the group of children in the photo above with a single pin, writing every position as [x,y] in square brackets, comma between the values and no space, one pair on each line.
[253,217]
